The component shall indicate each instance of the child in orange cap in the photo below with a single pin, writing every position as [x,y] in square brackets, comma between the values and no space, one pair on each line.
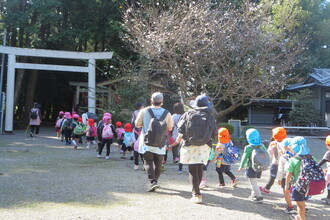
[222,163]
[326,159]
[275,150]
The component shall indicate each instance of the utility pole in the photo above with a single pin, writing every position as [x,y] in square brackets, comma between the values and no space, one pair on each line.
[2,96]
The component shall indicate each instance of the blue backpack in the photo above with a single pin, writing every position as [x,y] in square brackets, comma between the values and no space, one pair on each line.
[231,154]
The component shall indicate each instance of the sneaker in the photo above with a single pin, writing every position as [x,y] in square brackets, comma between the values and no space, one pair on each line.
[290,210]
[295,217]
[235,182]
[123,158]
[87,146]
[153,187]
[176,160]
[107,157]
[75,147]
[136,167]
[196,199]
[326,201]
[257,199]
[264,190]
[179,171]
[98,156]
[221,185]
[203,185]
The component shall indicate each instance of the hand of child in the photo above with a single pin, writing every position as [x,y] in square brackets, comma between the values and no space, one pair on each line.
[239,169]
[279,182]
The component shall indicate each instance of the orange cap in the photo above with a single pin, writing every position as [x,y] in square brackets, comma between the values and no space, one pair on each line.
[279,134]
[223,135]
[327,140]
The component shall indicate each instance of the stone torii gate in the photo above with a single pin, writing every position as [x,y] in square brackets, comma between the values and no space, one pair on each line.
[13,65]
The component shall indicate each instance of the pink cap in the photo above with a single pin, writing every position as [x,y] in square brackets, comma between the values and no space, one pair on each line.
[76,116]
[67,114]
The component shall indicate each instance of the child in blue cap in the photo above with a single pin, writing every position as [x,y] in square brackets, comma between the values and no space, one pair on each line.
[254,140]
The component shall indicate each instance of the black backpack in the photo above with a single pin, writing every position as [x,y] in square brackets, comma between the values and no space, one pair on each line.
[34,114]
[199,127]
[156,133]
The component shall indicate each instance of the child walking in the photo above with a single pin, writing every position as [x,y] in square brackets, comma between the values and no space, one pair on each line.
[221,165]
[326,159]
[281,175]
[275,150]
[99,131]
[120,134]
[58,125]
[254,140]
[299,147]
[128,141]
[77,130]
[66,127]
[91,132]
[107,134]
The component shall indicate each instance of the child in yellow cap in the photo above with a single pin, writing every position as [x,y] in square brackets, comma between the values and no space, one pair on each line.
[326,159]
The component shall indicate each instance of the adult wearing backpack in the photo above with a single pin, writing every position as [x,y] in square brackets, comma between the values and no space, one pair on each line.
[35,119]
[254,140]
[154,121]
[196,129]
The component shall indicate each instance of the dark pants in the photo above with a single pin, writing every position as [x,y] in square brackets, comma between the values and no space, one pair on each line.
[229,173]
[136,158]
[273,173]
[104,142]
[36,128]
[195,177]
[152,164]
[175,152]
[67,134]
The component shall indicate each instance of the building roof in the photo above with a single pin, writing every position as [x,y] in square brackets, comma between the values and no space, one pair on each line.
[320,77]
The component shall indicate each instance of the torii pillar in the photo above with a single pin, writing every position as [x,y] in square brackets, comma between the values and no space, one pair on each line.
[12,66]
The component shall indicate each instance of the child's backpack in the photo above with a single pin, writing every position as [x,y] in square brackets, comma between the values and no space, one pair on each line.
[120,132]
[156,133]
[67,123]
[128,138]
[311,177]
[199,127]
[93,131]
[260,159]
[231,154]
[34,114]
[79,128]
[107,132]
[59,122]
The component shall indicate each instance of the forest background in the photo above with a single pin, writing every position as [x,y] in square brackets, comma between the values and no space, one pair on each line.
[276,41]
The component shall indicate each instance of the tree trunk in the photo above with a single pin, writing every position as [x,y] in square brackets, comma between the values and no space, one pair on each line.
[30,95]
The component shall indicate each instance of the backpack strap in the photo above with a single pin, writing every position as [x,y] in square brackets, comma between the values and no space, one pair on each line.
[153,115]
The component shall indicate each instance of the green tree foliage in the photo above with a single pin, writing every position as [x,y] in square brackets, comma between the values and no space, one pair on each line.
[304,113]
[73,25]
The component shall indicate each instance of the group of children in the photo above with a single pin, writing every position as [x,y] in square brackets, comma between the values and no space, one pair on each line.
[296,171]
[286,155]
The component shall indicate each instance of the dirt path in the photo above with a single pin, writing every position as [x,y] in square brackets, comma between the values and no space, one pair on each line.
[43,179]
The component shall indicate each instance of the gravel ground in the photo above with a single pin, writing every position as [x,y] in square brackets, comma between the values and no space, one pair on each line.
[40,178]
